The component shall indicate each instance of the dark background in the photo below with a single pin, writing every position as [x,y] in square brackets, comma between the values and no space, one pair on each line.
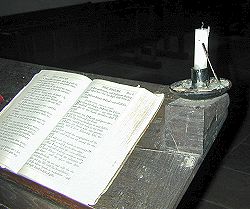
[53,36]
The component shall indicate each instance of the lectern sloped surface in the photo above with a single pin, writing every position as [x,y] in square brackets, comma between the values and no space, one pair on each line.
[160,168]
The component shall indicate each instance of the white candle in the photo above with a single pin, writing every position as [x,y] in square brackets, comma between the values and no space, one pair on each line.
[200,59]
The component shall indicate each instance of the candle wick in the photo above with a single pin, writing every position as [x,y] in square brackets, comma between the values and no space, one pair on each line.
[206,53]
[202,25]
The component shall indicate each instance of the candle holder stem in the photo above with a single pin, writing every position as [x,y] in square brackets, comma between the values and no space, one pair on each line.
[200,78]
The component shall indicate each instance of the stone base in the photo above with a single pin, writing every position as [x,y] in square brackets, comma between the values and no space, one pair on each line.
[192,125]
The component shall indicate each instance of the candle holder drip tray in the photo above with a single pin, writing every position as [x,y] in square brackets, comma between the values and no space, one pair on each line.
[212,88]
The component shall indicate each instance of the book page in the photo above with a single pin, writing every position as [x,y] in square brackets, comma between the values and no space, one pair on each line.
[33,113]
[89,144]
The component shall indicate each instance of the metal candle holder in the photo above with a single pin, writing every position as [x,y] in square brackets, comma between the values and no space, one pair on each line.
[201,86]
[200,78]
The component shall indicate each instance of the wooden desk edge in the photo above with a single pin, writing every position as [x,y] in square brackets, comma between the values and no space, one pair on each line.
[40,190]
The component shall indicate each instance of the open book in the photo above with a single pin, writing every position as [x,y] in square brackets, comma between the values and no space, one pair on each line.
[71,134]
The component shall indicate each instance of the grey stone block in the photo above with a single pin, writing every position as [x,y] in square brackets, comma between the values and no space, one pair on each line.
[192,125]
